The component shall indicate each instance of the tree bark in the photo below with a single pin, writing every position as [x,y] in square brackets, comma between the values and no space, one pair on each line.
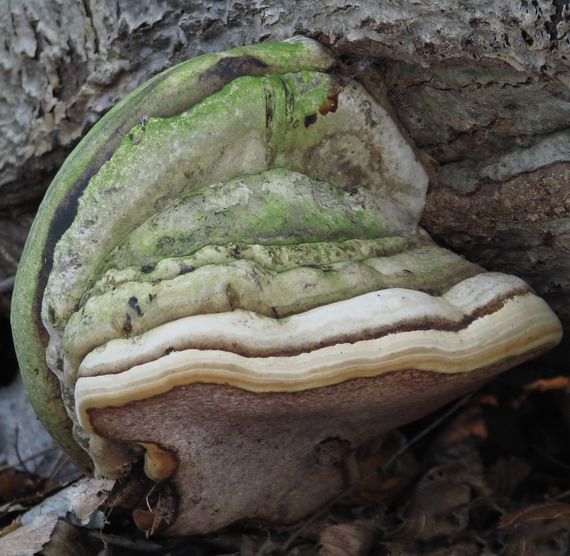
[482,88]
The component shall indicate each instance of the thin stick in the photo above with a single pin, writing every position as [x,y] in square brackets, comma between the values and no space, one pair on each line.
[564,494]
[17,450]
[380,469]
[29,458]
[57,466]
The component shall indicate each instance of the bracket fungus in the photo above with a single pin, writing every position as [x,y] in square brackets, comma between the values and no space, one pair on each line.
[227,278]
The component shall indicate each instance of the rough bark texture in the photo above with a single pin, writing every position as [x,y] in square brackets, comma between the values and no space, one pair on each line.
[482,87]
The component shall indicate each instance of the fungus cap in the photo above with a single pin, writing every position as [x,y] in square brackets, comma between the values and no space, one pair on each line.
[227,278]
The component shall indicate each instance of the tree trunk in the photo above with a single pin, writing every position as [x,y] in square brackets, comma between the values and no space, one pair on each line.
[483,89]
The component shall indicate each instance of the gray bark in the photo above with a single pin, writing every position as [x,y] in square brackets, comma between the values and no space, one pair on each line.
[482,88]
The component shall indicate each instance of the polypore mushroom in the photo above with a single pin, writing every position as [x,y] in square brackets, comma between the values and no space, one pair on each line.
[227,277]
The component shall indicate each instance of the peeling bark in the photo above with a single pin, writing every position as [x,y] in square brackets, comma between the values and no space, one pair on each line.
[483,89]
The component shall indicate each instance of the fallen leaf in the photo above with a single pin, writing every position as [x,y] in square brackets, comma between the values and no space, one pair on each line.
[536,530]
[554,383]
[506,474]
[544,512]
[367,460]
[461,549]
[442,499]
[468,423]
[87,495]
[29,539]
[84,497]
[159,510]
[69,540]
[14,484]
[348,539]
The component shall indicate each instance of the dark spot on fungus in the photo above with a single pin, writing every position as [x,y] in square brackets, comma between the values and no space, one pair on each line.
[51,313]
[310,119]
[134,304]
[228,69]
[309,285]
[147,268]
[151,296]
[169,350]
[131,136]
[185,269]
[269,103]
[127,326]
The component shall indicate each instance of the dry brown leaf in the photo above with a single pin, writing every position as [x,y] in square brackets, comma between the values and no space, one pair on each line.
[538,538]
[506,474]
[159,510]
[544,512]
[537,530]
[15,483]
[457,550]
[348,539]
[441,502]
[29,539]
[23,490]
[367,459]
[546,384]
[469,423]
[69,540]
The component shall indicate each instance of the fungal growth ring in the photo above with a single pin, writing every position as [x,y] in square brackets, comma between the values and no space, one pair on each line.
[228,272]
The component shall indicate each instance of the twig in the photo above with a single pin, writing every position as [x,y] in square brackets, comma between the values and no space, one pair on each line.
[550,458]
[7,466]
[7,284]
[380,469]
[17,450]
[57,466]
[564,494]
[131,543]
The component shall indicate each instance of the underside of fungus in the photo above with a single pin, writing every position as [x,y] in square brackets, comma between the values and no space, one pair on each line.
[237,284]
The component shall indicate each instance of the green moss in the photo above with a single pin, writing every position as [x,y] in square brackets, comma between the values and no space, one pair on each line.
[277,207]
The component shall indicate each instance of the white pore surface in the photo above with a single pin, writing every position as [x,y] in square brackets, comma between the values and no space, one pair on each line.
[520,323]
[374,311]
